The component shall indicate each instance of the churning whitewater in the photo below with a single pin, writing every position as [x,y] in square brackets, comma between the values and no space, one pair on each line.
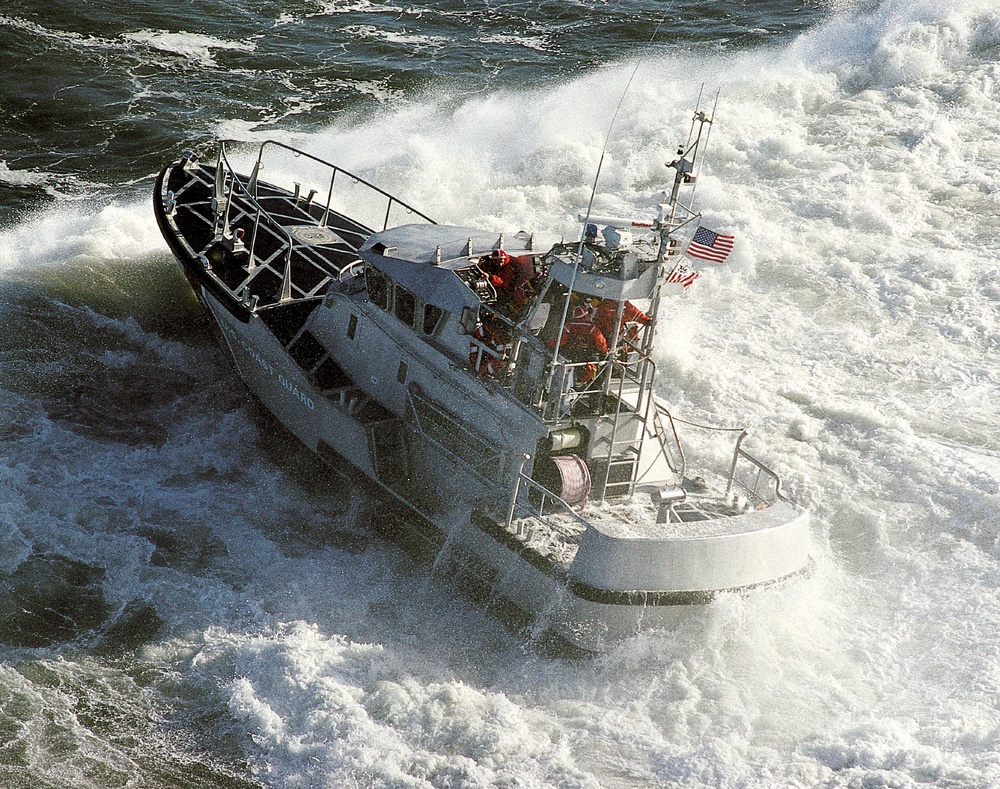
[188,600]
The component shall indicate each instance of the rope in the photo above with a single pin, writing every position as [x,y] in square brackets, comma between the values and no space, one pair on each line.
[663,410]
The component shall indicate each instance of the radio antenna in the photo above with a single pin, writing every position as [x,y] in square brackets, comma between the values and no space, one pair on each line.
[708,135]
[593,192]
[611,126]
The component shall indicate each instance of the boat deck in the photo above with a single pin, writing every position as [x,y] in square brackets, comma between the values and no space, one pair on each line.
[288,249]
[557,535]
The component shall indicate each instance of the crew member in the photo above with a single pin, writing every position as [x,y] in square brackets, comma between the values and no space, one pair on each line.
[488,348]
[633,319]
[582,340]
[513,278]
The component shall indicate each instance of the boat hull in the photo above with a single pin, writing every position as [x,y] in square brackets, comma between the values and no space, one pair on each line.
[585,607]
[611,587]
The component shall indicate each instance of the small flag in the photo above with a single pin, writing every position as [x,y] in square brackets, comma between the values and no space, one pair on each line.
[709,245]
[682,275]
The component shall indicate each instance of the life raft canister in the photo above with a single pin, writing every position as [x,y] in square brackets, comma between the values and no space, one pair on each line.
[566,475]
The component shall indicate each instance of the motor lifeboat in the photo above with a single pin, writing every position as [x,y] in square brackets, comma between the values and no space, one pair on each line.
[500,396]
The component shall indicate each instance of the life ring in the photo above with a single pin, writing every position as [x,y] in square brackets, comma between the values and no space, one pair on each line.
[487,350]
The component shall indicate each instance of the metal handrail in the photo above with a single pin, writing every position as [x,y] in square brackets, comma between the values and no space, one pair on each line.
[539,512]
[680,467]
[229,183]
[764,472]
[562,367]
[334,170]
[237,185]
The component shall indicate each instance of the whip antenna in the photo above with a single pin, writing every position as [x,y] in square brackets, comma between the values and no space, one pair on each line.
[611,126]
[593,192]
[708,135]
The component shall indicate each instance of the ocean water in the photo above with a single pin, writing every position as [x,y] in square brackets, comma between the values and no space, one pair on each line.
[187,601]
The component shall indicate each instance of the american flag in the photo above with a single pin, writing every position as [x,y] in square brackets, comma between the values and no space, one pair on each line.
[682,275]
[709,245]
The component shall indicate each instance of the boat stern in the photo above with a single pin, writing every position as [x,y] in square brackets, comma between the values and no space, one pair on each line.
[688,561]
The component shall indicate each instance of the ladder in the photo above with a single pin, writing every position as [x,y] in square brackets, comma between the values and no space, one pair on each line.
[628,429]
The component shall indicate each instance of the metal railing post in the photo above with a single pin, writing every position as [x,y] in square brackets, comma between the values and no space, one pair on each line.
[517,490]
[736,457]
[286,280]
[253,242]
[329,198]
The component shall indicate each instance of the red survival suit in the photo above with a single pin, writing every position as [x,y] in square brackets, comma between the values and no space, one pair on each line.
[512,277]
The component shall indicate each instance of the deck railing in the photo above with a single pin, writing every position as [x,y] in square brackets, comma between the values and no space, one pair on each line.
[303,176]
[758,482]
[764,485]
[307,176]
[546,505]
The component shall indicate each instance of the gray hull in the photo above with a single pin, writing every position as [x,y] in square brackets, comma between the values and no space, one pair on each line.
[538,472]
[614,588]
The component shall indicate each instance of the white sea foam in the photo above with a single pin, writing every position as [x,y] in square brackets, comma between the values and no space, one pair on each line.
[194,47]
[339,7]
[22,177]
[81,233]
[62,37]
[537,43]
[414,40]
[318,698]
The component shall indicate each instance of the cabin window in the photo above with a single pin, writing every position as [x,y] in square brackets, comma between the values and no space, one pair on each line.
[406,305]
[352,327]
[432,317]
[378,287]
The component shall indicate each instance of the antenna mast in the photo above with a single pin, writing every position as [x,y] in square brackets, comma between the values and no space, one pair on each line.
[688,158]
[593,190]
[611,126]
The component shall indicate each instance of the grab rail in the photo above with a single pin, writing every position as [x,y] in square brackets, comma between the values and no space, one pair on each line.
[334,170]
[530,510]
[763,475]
[229,184]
